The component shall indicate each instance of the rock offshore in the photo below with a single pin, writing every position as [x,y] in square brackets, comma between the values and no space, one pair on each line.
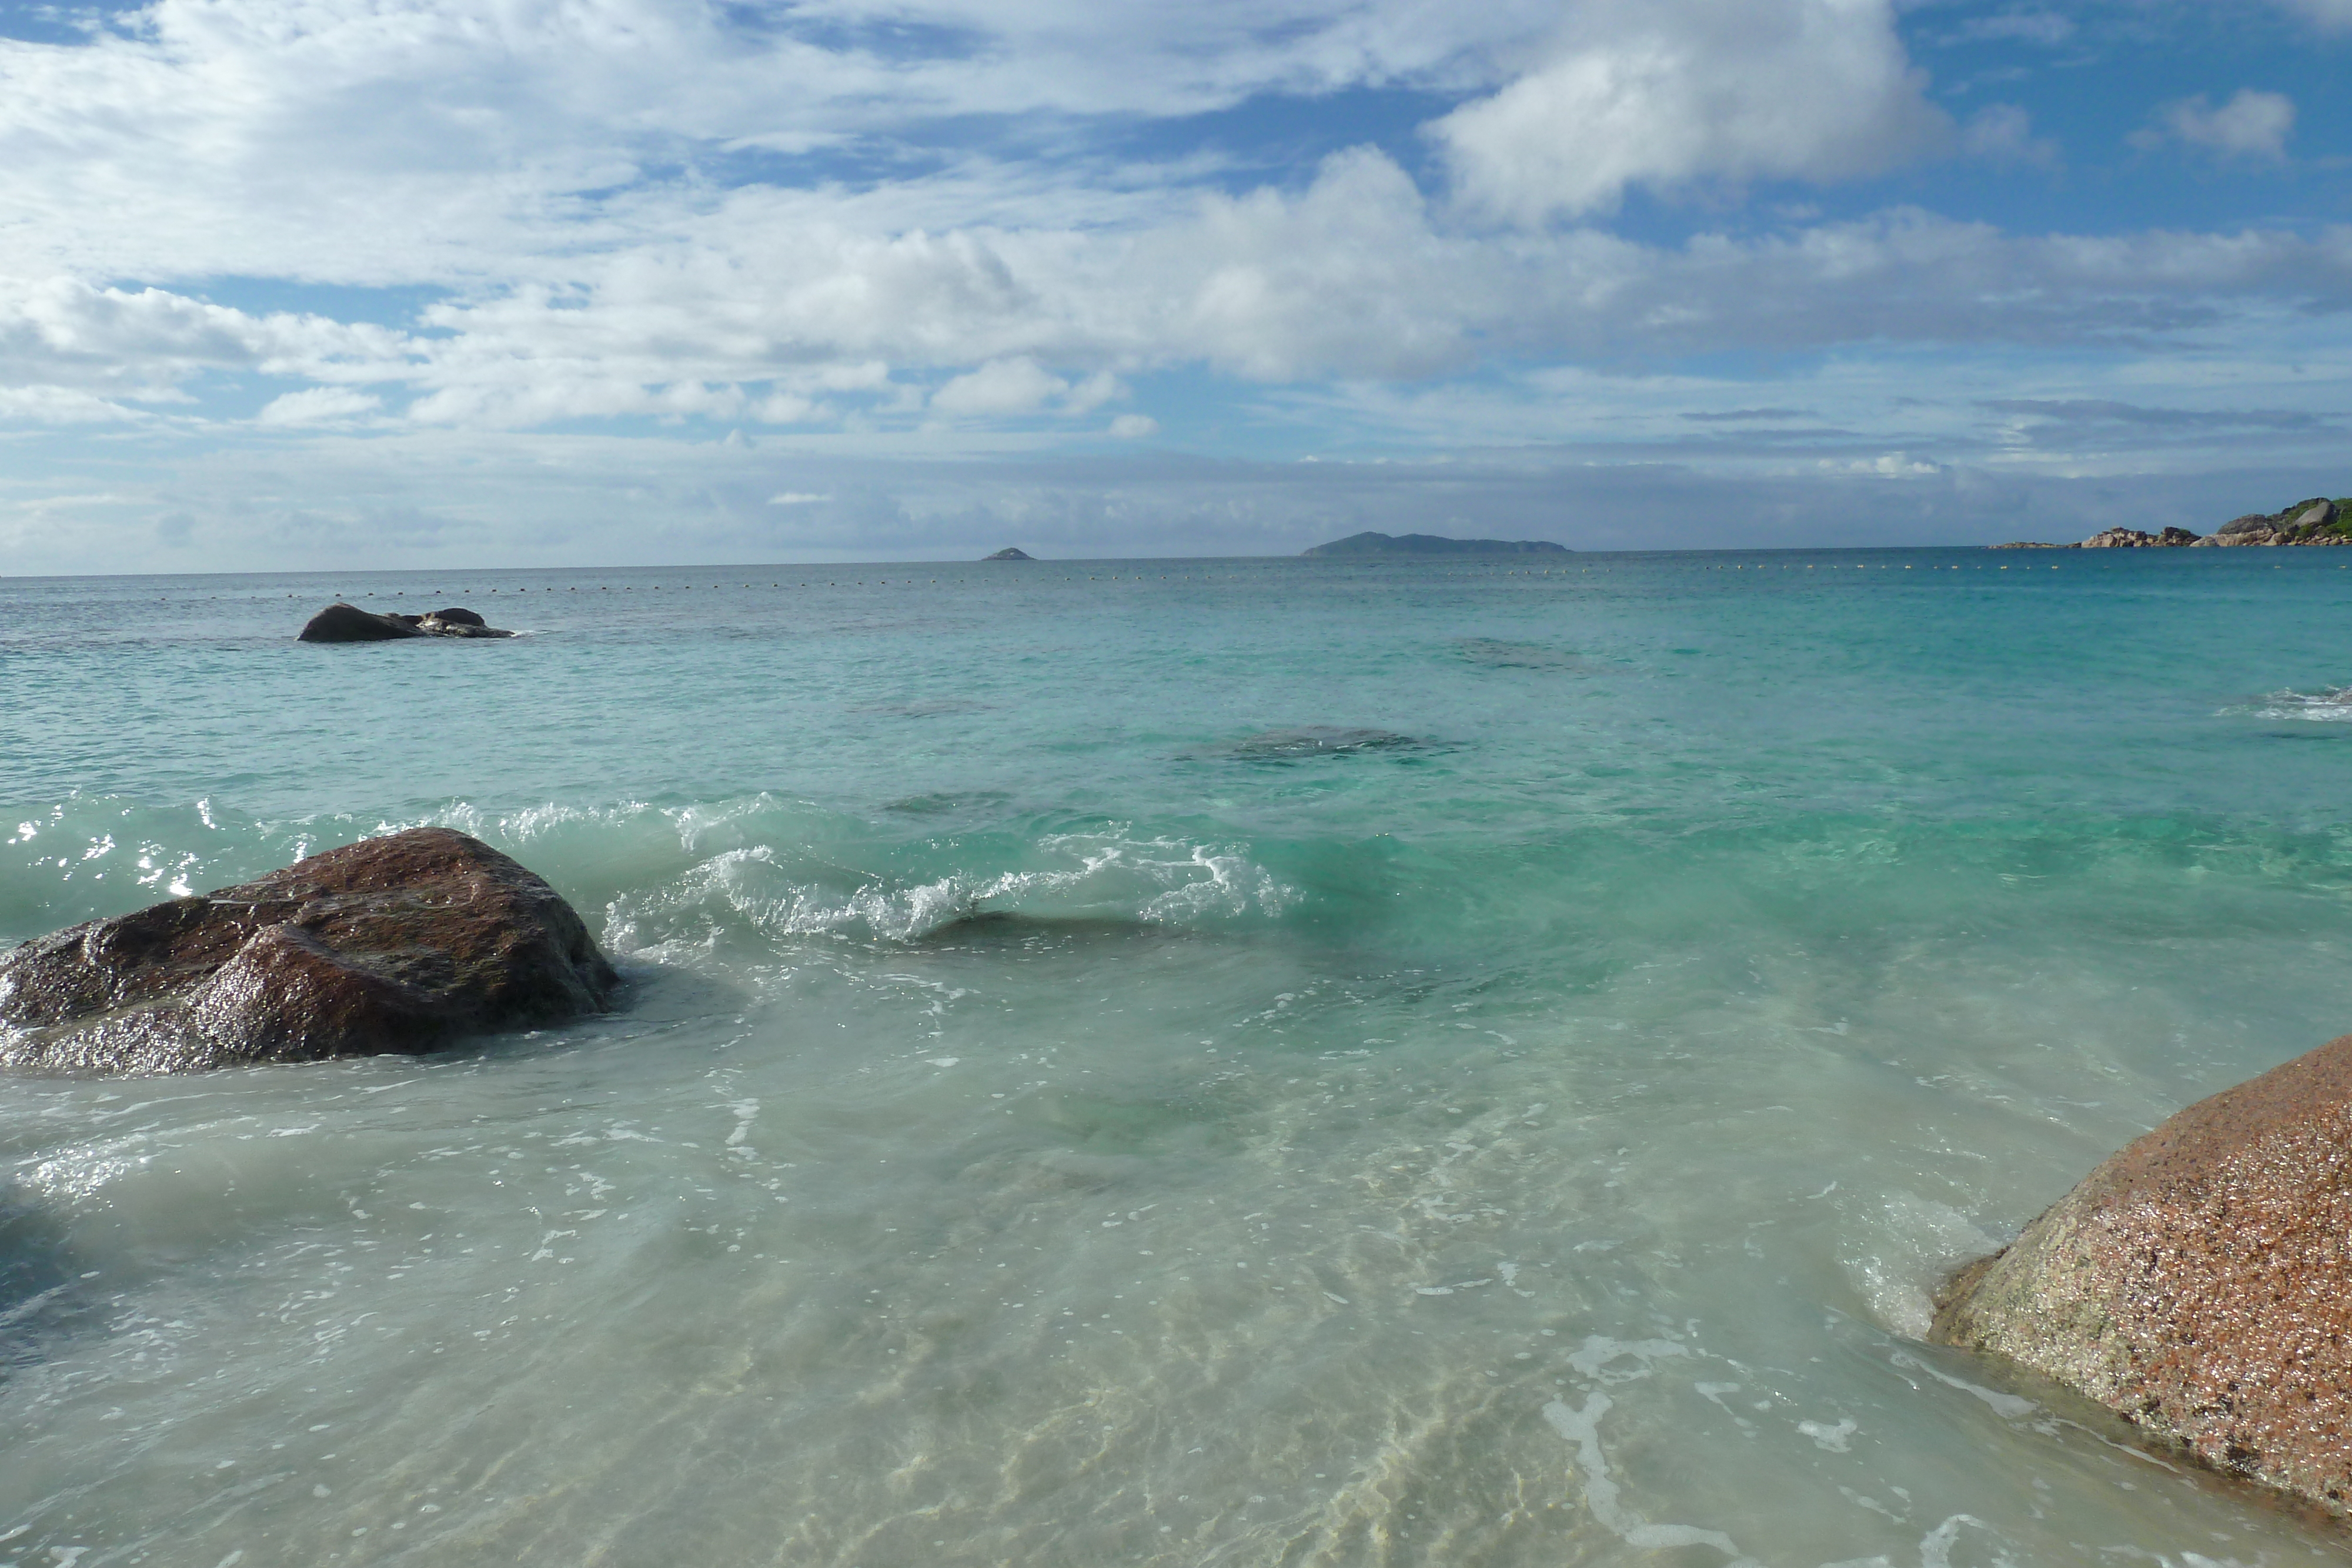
[2200,1282]
[349,623]
[398,944]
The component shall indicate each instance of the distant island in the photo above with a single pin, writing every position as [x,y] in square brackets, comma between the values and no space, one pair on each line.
[1009,553]
[1431,544]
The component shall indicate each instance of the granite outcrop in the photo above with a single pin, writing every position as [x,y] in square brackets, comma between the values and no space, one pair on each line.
[404,943]
[341,623]
[2198,1283]
[2315,521]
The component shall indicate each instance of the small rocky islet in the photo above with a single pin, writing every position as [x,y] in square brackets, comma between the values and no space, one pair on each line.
[341,622]
[2317,520]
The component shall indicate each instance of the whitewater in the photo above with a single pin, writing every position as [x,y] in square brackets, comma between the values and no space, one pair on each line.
[1175,1062]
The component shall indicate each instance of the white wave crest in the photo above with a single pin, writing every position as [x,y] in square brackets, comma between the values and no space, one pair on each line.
[782,891]
[2334,707]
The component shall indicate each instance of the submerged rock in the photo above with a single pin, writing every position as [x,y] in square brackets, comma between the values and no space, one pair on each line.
[349,623]
[397,944]
[2200,1282]
[1516,655]
[1315,740]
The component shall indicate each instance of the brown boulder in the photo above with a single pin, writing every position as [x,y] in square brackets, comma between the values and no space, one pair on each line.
[397,944]
[2200,1282]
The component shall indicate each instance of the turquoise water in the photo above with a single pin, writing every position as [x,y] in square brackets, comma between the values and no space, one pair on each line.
[1217,1062]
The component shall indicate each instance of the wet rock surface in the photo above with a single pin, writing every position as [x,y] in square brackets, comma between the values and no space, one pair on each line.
[349,623]
[2200,1282]
[398,944]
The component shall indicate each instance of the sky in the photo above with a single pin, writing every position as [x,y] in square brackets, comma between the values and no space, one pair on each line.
[331,285]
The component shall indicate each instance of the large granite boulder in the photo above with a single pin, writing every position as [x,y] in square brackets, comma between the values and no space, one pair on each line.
[398,944]
[2254,528]
[2311,522]
[2200,1282]
[349,623]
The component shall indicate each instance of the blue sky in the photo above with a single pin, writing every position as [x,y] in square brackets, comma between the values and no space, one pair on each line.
[337,284]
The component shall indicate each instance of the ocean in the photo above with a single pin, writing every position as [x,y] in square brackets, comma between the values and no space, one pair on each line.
[1170,1062]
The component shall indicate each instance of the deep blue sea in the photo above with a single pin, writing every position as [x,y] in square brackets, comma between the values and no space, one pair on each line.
[1171,1063]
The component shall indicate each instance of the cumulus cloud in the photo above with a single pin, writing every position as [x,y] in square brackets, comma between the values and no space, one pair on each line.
[61,405]
[1667,92]
[319,405]
[999,387]
[382,142]
[2251,125]
[757,320]
[977,223]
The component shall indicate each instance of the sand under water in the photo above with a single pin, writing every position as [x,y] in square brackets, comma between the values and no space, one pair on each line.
[1193,1063]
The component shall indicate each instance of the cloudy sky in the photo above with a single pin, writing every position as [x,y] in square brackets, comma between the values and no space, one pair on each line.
[376,283]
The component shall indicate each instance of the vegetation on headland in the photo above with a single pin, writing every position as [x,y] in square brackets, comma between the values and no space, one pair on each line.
[2315,520]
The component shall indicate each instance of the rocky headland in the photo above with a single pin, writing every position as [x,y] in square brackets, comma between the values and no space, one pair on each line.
[2315,521]
[1372,544]
[349,623]
[397,944]
[2200,1282]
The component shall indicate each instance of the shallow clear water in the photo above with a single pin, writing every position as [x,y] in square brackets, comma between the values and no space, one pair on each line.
[1188,1063]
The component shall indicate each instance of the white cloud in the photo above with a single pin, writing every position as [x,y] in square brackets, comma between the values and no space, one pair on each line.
[380,141]
[643,211]
[319,405]
[1667,92]
[1888,465]
[61,405]
[2003,133]
[2251,125]
[1000,387]
[2045,27]
[758,317]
